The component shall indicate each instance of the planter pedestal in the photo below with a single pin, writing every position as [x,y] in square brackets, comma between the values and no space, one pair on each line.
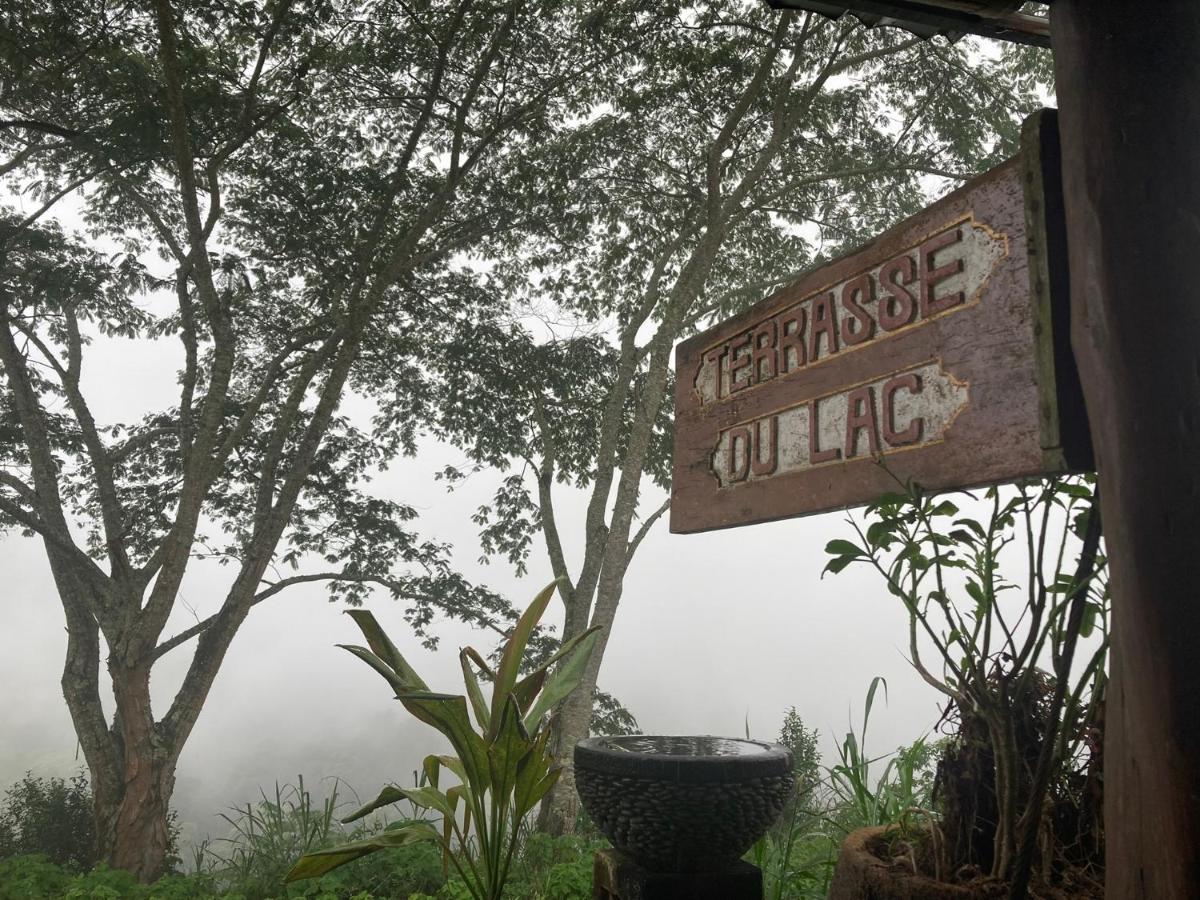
[617,876]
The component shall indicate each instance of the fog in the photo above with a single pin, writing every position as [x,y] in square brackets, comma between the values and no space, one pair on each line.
[716,633]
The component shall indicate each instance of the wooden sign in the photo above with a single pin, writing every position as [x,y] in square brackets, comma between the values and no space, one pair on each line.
[937,352]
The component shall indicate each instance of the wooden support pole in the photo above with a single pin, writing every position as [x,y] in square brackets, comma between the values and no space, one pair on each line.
[1128,84]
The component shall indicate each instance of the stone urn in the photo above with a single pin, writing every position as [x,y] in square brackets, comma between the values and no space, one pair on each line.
[682,804]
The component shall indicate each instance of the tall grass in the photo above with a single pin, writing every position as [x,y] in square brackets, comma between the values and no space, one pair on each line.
[267,836]
[798,855]
[897,791]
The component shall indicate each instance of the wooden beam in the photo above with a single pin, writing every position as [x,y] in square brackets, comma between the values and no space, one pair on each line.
[1128,84]
[997,19]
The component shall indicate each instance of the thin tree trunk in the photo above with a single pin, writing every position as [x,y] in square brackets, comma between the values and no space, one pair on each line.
[560,808]
[559,812]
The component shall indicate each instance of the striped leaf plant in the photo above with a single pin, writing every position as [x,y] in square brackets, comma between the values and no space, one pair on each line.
[501,765]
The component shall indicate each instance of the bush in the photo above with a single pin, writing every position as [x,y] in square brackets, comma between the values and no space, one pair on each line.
[1019,783]
[554,868]
[53,817]
[31,877]
[49,816]
[268,835]
[34,877]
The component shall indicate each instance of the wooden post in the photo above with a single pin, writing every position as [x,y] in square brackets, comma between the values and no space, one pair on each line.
[1128,84]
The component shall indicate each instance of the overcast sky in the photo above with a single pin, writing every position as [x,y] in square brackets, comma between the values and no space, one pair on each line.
[714,631]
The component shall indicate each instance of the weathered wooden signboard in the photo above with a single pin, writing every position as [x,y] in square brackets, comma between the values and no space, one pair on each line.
[937,352]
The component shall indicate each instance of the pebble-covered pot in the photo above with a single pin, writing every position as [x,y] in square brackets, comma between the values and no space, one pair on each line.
[682,804]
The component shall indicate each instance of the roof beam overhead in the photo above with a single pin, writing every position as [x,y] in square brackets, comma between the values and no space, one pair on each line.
[997,19]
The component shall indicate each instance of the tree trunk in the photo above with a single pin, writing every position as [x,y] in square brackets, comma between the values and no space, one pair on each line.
[131,810]
[561,805]
[560,808]
[131,820]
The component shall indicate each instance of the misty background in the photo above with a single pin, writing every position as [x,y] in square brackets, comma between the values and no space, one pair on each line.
[716,633]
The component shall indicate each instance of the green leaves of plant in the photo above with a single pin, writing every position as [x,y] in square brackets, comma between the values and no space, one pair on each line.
[536,774]
[314,865]
[395,667]
[514,650]
[503,768]
[843,548]
[389,795]
[945,508]
[1087,623]
[468,658]
[573,658]
[843,552]
[448,714]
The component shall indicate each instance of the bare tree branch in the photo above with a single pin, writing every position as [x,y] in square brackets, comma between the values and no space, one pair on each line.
[397,587]
[646,526]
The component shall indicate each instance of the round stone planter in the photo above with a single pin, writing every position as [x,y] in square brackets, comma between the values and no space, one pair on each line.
[682,804]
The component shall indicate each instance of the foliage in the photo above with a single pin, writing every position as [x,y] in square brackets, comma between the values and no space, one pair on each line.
[553,868]
[797,857]
[609,716]
[1024,734]
[36,878]
[739,147]
[799,852]
[502,764]
[31,876]
[802,741]
[49,816]
[267,836]
[286,191]
[544,868]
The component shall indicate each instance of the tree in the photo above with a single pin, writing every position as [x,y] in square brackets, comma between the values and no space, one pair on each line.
[741,146]
[282,188]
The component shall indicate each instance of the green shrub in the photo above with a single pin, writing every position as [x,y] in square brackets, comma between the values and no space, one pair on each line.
[866,800]
[31,877]
[393,873]
[569,881]
[50,816]
[991,604]
[185,887]
[103,883]
[799,852]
